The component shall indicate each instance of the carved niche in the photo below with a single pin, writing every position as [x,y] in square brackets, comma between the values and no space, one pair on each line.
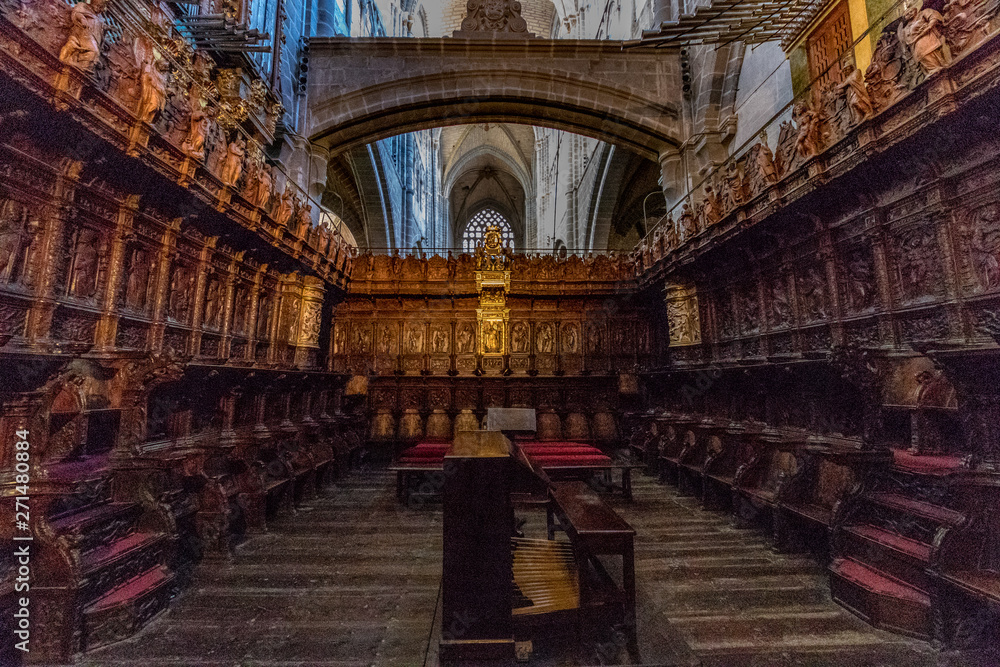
[682,315]
[779,303]
[570,338]
[465,341]
[519,337]
[440,339]
[858,278]
[918,266]
[182,285]
[213,304]
[83,271]
[17,233]
[137,284]
[979,231]
[544,339]
[812,292]
[413,338]
[386,342]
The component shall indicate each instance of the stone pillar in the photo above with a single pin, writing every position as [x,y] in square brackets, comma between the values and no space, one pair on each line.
[673,177]
[326,25]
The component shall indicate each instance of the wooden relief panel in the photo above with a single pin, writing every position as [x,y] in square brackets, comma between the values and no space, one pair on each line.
[917,262]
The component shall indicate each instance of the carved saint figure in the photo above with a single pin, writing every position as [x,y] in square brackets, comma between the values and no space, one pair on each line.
[213,304]
[594,338]
[570,342]
[232,163]
[83,281]
[814,294]
[689,226]
[519,338]
[86,32]
[853,88]
[921,32]
[181,288]
[543,342]
[339,334]
[492,337]
[984,246]
[439,341]
[806,142]
[138,280]
[303,219]
[385,339]
[285,208]
[466,339]
[415,339]
[260,190]
[193,145]
[711,213]
[11,224]
[963,27]
[152,89]
[765,164]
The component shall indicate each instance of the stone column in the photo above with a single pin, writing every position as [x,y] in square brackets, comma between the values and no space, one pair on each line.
[673,177]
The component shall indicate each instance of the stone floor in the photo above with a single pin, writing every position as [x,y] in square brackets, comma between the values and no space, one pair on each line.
[353,579]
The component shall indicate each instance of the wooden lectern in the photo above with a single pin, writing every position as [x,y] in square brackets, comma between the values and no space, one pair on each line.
[476,620]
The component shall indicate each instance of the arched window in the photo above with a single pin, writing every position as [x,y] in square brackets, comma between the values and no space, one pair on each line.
[476,229]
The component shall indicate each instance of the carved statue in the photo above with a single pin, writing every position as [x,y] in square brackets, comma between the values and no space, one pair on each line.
[86,33]
[303,219]
[194,144]
[889,74]
[519,338]
[570,343]
[152,89]
[138,280]
[415,339]
[261,186]
[733,192]
[181,290]
[439,340]
[807,139]
[964,27]
[83,281]
[385,339]
[213,304]
[860,280]
[11,225]
[241,310]
[921,32]
[466,339]
[285,209]
[711,213]
[984,246]
[853,88]
[781,307]
[813,291]
[765,164]
[544,339]
[492,337]
[232,164]
[689,227]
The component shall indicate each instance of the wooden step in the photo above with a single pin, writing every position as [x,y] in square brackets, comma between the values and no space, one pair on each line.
[900,557]
[918,508]
[124,610]
[880,599]
[97,525]
[108,566]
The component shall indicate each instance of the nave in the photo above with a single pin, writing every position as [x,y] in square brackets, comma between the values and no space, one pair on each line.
[353,579]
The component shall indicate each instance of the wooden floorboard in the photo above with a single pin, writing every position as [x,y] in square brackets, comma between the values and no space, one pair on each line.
[353,579]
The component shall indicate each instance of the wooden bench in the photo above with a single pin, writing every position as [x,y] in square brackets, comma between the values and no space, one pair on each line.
[758,482]
[721,466]
[675,435]
[691,465]
[594,529]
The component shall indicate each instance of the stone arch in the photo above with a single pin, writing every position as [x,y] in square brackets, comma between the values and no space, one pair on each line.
[365,90]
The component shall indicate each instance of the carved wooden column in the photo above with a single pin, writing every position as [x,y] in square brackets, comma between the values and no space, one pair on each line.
[307,341]
[228,306]
[885,328]
[107,326]
[47,260]
[161,299]
[201,286]
[254,306]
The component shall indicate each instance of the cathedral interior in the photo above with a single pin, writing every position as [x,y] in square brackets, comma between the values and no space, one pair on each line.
[495,332]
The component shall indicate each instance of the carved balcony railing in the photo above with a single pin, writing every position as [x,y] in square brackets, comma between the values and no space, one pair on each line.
[827,130]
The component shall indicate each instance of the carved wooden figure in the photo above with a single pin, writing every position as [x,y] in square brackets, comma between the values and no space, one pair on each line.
[232,164]
[921,32]
[86,34]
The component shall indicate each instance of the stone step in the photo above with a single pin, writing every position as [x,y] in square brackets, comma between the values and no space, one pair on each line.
[879,599]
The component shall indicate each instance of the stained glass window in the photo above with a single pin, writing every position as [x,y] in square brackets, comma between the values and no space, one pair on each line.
[476,229]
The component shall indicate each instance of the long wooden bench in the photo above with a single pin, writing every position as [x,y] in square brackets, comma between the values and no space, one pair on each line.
[759,482]
[721,466]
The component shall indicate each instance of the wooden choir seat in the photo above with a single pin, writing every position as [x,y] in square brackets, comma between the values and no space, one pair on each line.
[692,459]
[758,483]
[721,466]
